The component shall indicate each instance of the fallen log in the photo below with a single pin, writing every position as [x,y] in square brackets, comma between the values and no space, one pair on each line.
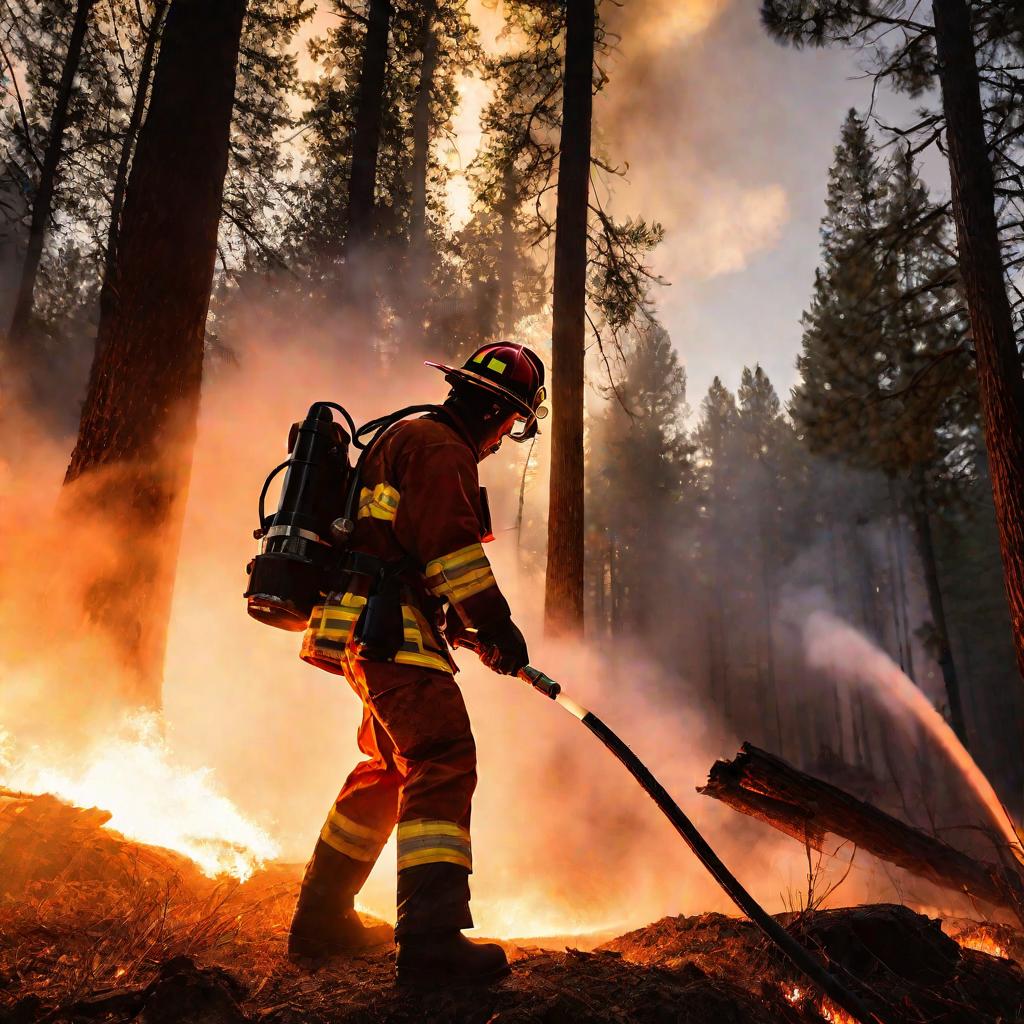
[765,787]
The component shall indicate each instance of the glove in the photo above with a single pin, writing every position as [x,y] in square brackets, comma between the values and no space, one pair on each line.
[503,648]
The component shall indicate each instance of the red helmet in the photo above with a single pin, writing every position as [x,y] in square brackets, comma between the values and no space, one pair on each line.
[511,372]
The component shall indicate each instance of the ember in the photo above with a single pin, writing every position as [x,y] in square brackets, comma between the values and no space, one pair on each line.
[834,1014]
[983,942]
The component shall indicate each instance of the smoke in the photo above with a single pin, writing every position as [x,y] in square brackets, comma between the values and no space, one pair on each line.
[254,744]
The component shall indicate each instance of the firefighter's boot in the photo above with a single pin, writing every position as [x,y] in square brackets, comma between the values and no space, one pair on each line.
[433,908]
[441,959]
[325,922]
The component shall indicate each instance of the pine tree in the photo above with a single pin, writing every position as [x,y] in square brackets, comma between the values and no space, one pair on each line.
[416,96]
[642,480]
[49,161]
[563,594]
[946,53]
[716,438]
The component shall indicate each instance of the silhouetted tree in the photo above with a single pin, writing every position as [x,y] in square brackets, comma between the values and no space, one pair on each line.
[132,460]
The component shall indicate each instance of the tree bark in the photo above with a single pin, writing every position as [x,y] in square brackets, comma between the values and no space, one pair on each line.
[130,467]
[134,122]
[421,130]
[366,134]
[563,605]
[42,205]
[1000,382]
[765,787]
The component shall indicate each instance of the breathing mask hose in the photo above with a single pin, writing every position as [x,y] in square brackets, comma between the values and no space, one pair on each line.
[804,961]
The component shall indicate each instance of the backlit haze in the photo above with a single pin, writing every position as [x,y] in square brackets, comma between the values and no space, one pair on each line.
[728,137]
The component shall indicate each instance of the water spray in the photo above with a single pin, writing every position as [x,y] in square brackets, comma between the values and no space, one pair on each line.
[801,958]
[835,646]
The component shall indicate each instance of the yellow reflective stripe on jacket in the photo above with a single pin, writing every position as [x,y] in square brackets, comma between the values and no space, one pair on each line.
[349,837]
[429,841]
[332,624]
[460,575]
[380,503]
[330,629]
[418,647]
[336,619]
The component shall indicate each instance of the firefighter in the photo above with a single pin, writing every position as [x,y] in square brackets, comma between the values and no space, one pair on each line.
[418,575]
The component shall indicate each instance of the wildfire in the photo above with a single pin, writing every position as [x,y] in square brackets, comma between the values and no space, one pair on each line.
[151,799]
[984,943]
[826,1008]
[832,1013]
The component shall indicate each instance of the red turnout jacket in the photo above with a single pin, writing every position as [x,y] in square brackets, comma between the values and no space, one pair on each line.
[420,499]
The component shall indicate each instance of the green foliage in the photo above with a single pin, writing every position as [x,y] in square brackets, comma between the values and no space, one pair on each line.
[886,380]
[327,125]
[260,187]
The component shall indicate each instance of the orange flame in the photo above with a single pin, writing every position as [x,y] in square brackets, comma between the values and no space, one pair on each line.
[151,798]
[983,943]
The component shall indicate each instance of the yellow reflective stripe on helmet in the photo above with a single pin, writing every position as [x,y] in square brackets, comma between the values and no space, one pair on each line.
[497,365]
[350,837]
[429,841]
[380,503]
[460,575]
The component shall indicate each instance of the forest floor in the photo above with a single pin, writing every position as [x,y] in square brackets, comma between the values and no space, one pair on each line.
[96,928]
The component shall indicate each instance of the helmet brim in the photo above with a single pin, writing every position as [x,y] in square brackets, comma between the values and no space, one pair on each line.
[457,373]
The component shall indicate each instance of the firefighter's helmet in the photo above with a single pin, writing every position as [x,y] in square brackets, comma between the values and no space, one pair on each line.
[509,371]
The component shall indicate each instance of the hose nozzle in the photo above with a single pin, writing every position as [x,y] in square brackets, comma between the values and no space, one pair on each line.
[537,679]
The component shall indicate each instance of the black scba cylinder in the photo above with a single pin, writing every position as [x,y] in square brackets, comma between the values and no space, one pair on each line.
[287,577]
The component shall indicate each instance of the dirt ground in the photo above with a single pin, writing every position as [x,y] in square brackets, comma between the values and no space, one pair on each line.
[94,928]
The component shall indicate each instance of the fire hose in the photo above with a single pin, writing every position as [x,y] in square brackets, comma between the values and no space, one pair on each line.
[801,958]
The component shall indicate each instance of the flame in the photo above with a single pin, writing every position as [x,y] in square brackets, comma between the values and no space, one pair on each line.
[983,943]
[826,1008]
[832,1013]
[150,797]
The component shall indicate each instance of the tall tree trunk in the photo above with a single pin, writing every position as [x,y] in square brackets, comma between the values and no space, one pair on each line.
[42,204]
[366,134]
[1000,383]
[563,605]
[507,250]
[937,609]
[131,465]
[421,130]
[134,123]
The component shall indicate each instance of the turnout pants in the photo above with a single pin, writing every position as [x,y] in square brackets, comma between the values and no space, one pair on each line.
[419,773]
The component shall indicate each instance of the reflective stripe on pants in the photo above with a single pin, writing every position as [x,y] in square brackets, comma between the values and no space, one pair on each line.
[420,769]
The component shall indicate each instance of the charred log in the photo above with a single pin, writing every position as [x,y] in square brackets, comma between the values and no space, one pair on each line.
[765,787]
